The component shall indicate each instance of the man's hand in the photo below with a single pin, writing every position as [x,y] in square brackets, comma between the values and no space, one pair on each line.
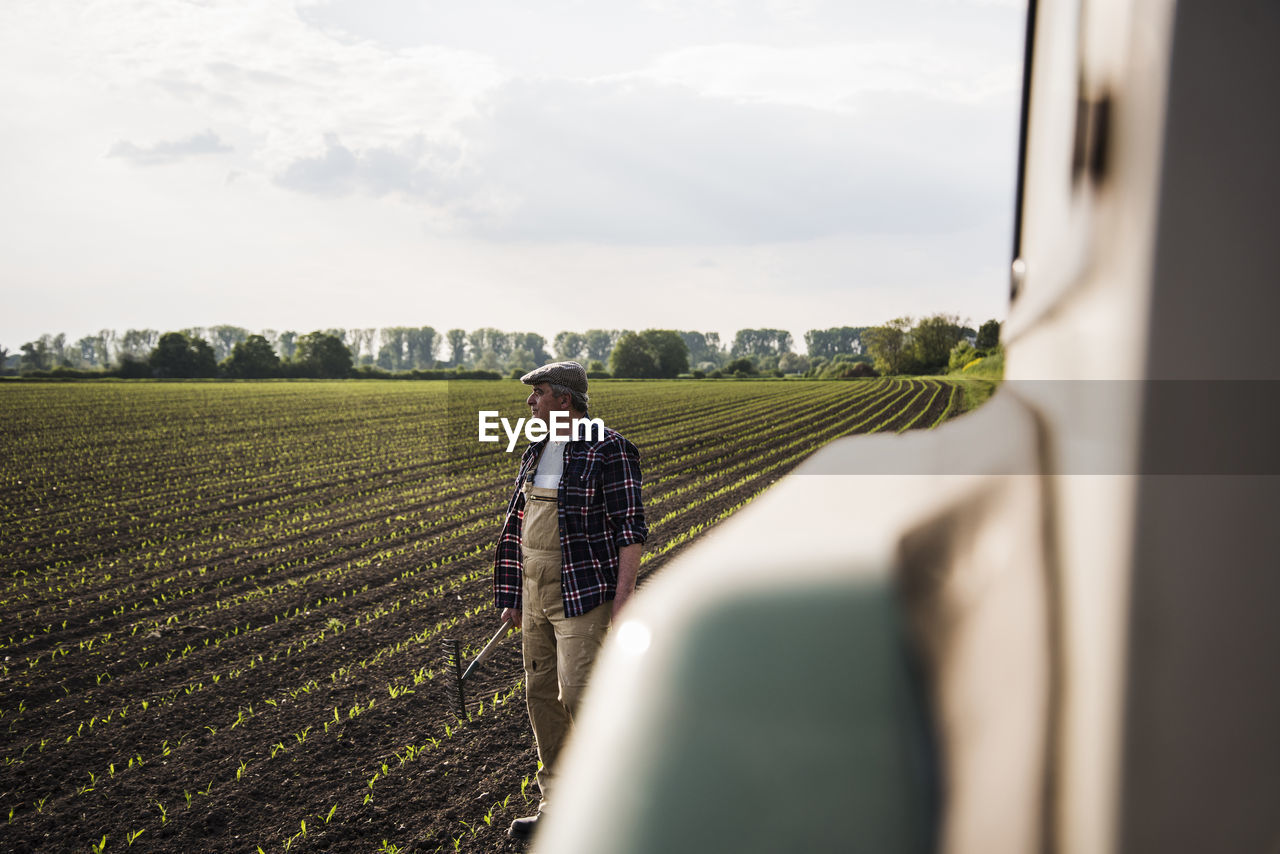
[512,614]
[628,568]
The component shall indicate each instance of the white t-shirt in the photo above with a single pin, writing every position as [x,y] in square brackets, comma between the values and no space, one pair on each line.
[550,466]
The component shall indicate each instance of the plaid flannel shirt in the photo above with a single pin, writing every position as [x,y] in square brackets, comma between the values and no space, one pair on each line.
[600,511]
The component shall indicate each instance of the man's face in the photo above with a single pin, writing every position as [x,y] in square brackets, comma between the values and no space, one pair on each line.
[542,402]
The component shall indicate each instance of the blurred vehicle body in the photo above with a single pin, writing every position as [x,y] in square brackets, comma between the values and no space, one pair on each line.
[1050,625]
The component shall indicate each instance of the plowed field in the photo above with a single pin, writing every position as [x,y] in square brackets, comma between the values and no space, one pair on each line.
[222,605]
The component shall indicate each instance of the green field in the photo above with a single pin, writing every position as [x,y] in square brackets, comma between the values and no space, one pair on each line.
[222,604]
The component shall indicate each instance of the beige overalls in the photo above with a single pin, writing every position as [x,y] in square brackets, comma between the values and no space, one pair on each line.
[558,650]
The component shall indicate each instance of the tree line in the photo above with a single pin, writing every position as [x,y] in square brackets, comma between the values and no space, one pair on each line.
[231,351]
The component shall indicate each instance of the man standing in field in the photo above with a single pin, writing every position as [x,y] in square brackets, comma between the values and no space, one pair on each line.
[567,558]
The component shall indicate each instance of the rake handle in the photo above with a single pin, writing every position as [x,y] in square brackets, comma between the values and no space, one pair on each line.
[488,648]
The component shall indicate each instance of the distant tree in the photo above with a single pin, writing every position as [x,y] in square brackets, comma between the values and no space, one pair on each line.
[532,342]
[131,367]
[491,341]
[761,342]
[696,342]
[95,350]
[178,356]
[793,363]
[457,347]
[194,332]
[890,346]
[84,353]
[138,342]
[421,344]
[600,342]
[361,344]
[105,346]
[343,336]
[322,354]
[961,355]
[287,346]
[826,343]
[252,358]
[742,366]
[988,335]
[715,352]
[391,355]
[569,346]
[404,347]
[224,338]
[670,353]
[631,358]
[58,349]
[933,337]
[651,353]
[704,347]
[520,362]
[36,355]
[202,358]
[45,353]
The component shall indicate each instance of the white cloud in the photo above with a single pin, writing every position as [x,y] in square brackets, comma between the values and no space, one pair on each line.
[414,169]
[206,142]
[835,76]
[255,70]
[394,157]
[633,161]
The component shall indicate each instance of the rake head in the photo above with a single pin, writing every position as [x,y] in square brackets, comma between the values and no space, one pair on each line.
[455,656]
[454,652]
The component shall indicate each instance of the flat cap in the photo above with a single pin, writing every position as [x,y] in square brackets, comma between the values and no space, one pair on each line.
[568,374]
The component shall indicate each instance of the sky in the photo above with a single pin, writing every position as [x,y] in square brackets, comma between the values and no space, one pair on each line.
[532,166]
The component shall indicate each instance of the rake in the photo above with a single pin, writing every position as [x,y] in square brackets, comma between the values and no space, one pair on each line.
[455,655]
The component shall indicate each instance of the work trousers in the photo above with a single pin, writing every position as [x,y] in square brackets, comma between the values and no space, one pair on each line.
[558,650]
